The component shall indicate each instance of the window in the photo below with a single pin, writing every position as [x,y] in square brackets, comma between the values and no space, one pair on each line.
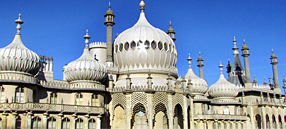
[170,48]
[116,48]
[94,100]
[133,45]
[153,45]
[166,46]
[121,47]
[2,94]
[78,99]
[19,95]
[51,123]
[91,124]
[36,123]
[160,45]
[147,44]
[66,123]
[53,98]
[225,110]
[126,46]
[18,123]
[79,124]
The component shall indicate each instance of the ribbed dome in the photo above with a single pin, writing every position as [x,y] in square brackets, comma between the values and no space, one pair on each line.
[222,88]
[18,58]
[199,85]
[85,68]
[143,47]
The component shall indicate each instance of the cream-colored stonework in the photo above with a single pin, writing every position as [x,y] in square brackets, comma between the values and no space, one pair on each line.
[108,87]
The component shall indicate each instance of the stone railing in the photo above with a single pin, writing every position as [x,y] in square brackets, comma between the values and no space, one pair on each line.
[17,76]
[140,88]
[221,116]
[51,107]
[55,84]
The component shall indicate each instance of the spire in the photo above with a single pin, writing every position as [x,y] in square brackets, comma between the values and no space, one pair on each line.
[254,80]
[86,37]
[142,6]
[189,59]
[109,6]
[19,22]
[220,68]
[235,47]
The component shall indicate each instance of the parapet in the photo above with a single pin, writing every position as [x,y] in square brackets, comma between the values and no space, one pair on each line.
[97,45]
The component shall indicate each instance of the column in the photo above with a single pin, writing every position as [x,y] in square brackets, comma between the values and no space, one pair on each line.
[29,120]
[98,122]
[150,113]
[185,113]
[128,111]
[191,113]
[170,111]
[263,115]
[4,120]
[45,116]
[15,115]
[59,121]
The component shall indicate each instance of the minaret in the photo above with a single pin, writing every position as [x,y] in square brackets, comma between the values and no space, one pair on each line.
[245,54]
[109,22]
[200,65]
[275,74]
[171,32]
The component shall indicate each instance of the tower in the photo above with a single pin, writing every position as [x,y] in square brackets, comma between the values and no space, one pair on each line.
[245,54]
[109,22]
[274,63]
[200,65]
[171,32]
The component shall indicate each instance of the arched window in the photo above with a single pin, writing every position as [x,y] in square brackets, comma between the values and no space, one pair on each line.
[147,44]
[2,94]
[225,125]
[91,124]
[53,98]
[153,45]
[160,45]
[65,123]
[120,47]
[19,95]
[166,46]
[51,123]
[133,45]
[126,46]
[36,123]
[94,100]
[78,99]
[79,124]
[18,123]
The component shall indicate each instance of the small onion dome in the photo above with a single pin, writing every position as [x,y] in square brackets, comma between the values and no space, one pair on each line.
[254,80]
[199,85]
[171,30]
[273,55]
[109,11]
[85,68]
[244,47]
[18,58]
[222,88]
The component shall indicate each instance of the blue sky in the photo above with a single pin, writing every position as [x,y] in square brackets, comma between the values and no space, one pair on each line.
[56,28]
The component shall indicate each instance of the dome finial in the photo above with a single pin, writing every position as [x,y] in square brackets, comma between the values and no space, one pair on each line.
[19,22]
[220,67]
[109,6]
[189,59]
[235,47]
[86,37]
[243,41]
[170,24]
[142,5]
[272,51]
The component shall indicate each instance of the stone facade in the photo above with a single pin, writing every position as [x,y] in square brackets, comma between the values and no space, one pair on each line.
[109,87]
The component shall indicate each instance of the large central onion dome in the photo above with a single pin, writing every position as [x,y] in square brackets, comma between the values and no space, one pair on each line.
[222,88]
[17,58]
[143,48]
[85,68]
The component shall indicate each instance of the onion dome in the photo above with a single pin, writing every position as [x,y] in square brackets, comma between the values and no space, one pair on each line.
[199,85]
[109,11]
[222,88]
[171,30]
[143,47]
[85,68]
[244,47]
[17,58]
[273,55]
